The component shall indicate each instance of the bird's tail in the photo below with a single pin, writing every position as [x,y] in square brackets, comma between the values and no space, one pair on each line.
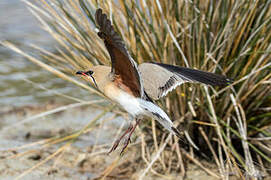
[158,114]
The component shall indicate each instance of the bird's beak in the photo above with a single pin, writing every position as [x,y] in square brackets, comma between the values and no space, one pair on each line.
[86,74]
[81,73]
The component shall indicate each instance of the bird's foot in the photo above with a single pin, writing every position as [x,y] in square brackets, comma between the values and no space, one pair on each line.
[116,143]
[126,142]
[130,130]
[114,147]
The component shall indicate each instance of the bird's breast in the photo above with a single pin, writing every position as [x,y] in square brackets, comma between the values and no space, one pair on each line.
[126,100]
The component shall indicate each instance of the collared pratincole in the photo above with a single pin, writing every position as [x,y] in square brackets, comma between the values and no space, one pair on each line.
[135,87]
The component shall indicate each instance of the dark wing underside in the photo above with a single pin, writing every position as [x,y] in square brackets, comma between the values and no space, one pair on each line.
[197,75]
[124,68]
[159,79]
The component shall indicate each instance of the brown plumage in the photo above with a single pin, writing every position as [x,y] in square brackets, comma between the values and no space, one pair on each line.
[133,87]
[123,66]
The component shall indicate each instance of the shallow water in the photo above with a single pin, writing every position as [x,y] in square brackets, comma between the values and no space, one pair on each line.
[19,26]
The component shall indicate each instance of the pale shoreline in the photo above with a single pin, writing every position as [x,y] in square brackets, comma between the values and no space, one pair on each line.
[79,161]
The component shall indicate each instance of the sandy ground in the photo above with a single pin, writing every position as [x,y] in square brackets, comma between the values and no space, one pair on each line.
[70,165]
[86,158]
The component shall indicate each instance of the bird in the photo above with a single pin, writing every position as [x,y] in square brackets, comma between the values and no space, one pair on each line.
[136,87]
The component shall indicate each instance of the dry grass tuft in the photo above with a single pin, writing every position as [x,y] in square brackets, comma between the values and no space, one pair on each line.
[226,37]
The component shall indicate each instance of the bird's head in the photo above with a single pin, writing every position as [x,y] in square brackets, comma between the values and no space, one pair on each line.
[88,75]
[98,75]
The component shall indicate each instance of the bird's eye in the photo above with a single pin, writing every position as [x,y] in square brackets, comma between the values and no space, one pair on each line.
[89,73]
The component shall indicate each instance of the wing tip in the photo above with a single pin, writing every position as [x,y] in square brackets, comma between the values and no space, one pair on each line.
[105,28]
[101,19]
[222,81]
[99,11]
[198,75]
[98,14]
[229,81]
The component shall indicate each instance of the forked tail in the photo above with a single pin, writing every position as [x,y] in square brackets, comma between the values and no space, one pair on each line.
[158,114]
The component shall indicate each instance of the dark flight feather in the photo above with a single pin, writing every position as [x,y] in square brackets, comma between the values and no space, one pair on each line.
[197,75]
[124,68]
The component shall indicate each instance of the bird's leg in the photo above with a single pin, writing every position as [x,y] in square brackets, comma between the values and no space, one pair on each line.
[116,143]
[127,140]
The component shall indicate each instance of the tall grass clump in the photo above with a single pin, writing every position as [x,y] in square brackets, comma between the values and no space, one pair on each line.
[229,126]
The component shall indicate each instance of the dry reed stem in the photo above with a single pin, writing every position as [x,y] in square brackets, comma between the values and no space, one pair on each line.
[155,156]
[46,113]
[49,68]
[204,35]
[250,168]
[214,118]
[61,149]
[211,149]
[110,168]
[200,165]
[53,91]
[156,143]
[43,161]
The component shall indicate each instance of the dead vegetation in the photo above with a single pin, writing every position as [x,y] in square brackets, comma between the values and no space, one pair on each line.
[231,127]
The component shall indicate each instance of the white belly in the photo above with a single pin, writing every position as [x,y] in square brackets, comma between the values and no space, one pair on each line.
[137,106]
[129,103]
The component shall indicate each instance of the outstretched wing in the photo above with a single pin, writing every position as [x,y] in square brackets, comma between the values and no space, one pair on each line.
[159,79]
[124,68]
